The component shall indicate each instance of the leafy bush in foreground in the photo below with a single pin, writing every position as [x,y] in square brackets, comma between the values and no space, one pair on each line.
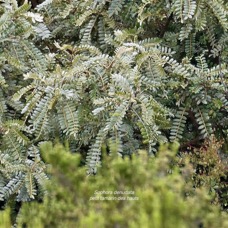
[162,196]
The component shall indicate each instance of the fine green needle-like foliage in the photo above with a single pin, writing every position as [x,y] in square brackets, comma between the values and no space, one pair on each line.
[136,192]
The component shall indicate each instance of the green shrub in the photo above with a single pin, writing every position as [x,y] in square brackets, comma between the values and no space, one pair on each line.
[162,196]
[5,220]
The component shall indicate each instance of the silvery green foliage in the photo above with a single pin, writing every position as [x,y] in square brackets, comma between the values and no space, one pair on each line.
[103,73]
[22,172]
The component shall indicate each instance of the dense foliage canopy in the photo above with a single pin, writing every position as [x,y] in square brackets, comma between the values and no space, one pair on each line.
[108,74]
